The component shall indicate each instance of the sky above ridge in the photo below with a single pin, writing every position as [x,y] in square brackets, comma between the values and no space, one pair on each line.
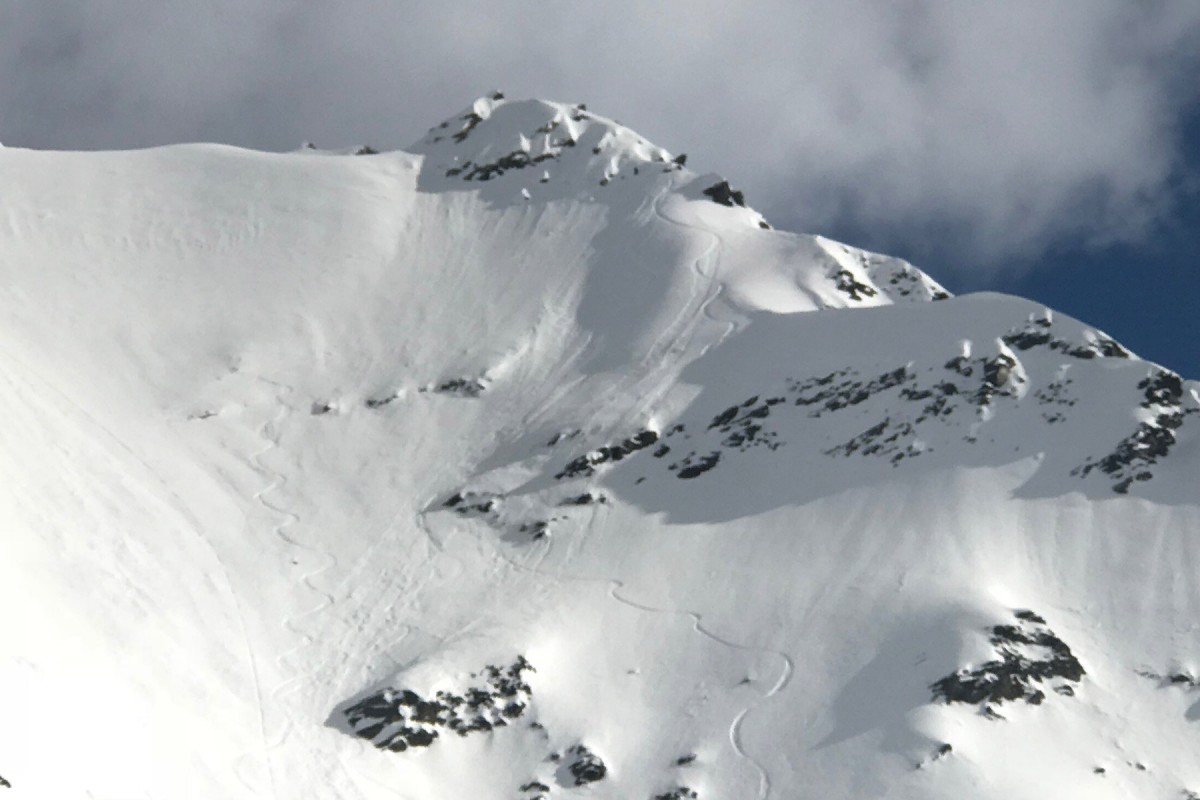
[1047,148]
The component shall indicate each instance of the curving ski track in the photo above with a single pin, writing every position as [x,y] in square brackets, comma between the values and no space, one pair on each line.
[271,432]
[708,289]
[786,671]
[785,676]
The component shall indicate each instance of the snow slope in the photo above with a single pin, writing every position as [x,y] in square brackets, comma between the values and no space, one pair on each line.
[530,463]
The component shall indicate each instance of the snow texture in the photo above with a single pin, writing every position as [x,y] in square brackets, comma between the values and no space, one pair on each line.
[530,463]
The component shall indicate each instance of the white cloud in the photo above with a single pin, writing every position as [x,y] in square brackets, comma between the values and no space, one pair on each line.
[1010,127]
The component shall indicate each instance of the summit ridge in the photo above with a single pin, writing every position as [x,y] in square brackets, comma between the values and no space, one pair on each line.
[531,463]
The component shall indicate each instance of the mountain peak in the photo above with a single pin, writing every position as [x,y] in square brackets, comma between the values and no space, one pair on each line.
[538,150]
[541,140]
[522,151]
[515,465]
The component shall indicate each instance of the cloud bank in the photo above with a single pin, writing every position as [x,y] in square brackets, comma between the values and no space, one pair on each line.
[1000,129]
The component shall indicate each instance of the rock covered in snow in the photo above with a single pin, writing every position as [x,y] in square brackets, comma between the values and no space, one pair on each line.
[303,449]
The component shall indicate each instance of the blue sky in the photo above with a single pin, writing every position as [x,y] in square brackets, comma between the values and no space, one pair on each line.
[1048,148]
[1146,296]
[1144,293]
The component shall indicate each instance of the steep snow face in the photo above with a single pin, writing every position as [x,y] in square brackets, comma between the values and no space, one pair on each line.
[531,463]
[512,153]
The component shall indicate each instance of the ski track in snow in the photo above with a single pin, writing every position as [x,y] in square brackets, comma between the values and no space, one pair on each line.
[271,432]
[706,286]
[193,524]
[615,585]
[708,289]
[674,338]
[785,676]
[392,270]
[714,288]
[363,746]
[703,285]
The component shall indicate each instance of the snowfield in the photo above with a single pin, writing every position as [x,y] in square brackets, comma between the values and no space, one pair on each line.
[530,463]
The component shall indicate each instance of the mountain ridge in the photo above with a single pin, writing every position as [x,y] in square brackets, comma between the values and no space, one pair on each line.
[572,489]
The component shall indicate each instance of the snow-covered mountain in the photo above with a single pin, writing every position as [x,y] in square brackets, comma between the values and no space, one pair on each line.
[530,463]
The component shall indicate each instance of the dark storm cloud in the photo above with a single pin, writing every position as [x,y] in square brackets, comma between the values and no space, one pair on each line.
[1010,126]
